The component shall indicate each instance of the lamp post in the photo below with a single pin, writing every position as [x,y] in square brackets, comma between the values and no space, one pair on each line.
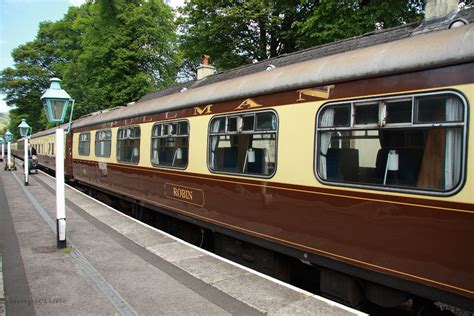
[8,139]
[25,129]
[2,141]
[55,101]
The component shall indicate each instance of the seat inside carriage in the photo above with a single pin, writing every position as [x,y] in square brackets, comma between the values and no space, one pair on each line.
[344,164]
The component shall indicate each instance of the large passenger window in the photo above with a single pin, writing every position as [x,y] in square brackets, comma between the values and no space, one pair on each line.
[169,144]
[84,144]
[244,143]
[128,144]
[409,143]
[103,141]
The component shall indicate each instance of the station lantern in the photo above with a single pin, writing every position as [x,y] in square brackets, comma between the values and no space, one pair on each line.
[24,128]
[55,102]
[8,136]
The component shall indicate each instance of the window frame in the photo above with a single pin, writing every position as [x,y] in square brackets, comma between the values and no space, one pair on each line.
[255,131]
[176,136]
[82,142]
[119,139]
[464,124]
[109,141]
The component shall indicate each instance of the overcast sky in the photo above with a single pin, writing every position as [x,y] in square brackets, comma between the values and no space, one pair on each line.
[19,23]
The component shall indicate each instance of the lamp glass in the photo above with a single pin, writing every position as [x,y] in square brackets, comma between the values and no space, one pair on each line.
[55,102]
[23,131]
[8,136]
[2,141]
[58,109]
[24,128]
[46,111]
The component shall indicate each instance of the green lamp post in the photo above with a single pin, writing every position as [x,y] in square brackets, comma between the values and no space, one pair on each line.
[25,131]
[55,102]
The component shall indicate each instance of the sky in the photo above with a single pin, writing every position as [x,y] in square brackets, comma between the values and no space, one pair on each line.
[19,23]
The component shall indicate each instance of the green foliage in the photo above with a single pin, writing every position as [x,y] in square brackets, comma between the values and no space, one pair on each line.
[128,50]
[111,52]
[4,119]
[238,32]
[107,52]
[332,20]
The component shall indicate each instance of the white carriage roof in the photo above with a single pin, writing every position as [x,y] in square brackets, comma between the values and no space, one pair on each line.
[397,50]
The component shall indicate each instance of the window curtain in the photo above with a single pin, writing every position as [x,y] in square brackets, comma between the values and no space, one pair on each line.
[452,167]
[327,120]
[156,157]
[274,122]
[214,141]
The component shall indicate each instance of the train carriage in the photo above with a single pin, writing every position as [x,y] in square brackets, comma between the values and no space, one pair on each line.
[44,144]
[357,163]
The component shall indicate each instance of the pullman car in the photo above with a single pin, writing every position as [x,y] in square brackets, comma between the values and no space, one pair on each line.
[357,163]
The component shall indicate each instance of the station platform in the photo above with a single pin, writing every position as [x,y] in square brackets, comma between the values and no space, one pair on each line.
[117,265]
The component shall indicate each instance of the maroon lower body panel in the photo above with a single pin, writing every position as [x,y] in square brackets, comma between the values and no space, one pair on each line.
[47,161]
[424,241]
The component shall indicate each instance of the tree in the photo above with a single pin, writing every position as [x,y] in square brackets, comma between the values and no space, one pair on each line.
[128,50]
[35,63]
[107,52]
[239,32]
[332,20]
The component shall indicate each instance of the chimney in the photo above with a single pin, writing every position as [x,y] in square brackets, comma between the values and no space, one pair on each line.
[205,69]
[439,8]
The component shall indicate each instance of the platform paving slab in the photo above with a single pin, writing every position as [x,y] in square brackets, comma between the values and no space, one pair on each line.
[310,307]
[144,286]
[166,270]
[2,292]
[210,269]
[56,283]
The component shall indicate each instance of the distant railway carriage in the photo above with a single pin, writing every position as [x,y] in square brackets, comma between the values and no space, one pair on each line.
[357,163]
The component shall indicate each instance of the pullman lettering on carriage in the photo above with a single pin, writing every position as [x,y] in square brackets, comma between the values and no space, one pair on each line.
[185,194]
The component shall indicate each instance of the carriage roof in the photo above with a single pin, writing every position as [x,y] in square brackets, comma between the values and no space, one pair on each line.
[406,48]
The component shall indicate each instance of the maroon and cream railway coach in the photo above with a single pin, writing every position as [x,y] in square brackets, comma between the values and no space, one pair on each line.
[357,163]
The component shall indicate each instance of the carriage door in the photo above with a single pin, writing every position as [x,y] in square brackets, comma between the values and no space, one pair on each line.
[68,154]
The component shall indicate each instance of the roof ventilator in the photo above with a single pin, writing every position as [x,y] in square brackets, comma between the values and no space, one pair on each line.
[458,23]
[270,67]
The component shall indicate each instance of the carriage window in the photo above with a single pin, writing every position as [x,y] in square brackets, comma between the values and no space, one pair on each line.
[244,144]
[414,143]
[366,113]
[84,144]
[169,144]
[128,144]
[103,143]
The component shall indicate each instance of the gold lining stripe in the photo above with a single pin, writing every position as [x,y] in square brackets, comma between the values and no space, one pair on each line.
[207,219]
[182,173]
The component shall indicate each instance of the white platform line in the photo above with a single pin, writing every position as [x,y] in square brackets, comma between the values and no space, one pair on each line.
[289,286]
[117,300]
